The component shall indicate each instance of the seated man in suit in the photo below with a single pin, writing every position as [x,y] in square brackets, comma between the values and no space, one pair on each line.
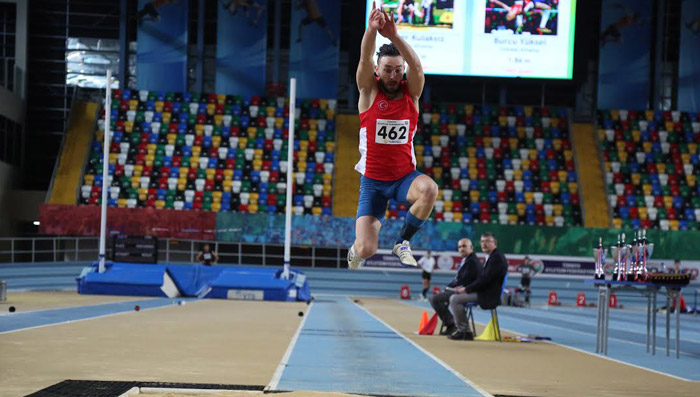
[466,274]
[485,290]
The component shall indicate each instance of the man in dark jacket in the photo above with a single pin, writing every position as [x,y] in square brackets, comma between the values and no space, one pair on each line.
[467,273]
[485,290]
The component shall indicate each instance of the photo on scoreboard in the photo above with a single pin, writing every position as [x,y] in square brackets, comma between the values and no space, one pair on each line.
[536,17]
[420,14]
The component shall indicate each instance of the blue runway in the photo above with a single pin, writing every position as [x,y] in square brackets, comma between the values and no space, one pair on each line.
[19,321]
[343,348]
[576,328]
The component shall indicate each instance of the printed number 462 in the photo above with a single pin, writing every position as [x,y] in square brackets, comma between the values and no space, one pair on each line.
[392,133]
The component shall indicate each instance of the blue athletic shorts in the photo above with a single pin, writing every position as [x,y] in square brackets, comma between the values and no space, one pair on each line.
[374,194]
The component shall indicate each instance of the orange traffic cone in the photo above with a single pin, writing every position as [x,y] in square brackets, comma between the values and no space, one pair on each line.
[430,326]
[423,321]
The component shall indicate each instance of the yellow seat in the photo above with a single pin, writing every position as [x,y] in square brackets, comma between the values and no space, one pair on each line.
[563,175]
[218,120]
[211,109]
[529,198]
[643,213]
[253,208]
[558,209]
[89,179]
[121,203]
[646,189]
[554,186]
[474,196]
[216,207]
[159,107]
[160,204]
[636,179]
[166,117]
[668,202]
[457,217]
[133,104]
[471,152]
[636,135]
[673,224]
[316,211]
[199,129]
[196,152]
[617,223]
[549,220]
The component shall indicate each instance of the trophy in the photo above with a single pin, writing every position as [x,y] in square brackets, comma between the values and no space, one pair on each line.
[617,257]
[599,255]
[646,248]
[622,274]
[632,259]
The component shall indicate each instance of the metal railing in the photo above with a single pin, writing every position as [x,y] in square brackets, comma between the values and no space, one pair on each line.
[79,249]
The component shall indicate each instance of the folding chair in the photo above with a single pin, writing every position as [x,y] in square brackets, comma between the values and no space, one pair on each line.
[494,314]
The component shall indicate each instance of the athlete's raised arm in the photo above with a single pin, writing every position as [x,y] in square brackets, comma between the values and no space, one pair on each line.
[366,82]
[414,74]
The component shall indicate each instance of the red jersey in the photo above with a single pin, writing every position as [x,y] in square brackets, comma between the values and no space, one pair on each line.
[386,137]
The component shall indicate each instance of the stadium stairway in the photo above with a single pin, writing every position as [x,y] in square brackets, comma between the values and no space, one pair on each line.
[76,145]
[347,180]
[595,205]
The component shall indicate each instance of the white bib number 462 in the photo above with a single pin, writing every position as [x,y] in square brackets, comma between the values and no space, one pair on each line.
[392,132]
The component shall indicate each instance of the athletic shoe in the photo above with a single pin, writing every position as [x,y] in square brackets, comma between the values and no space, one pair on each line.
[403,251]
[354,260]
[461,335]
[544,30]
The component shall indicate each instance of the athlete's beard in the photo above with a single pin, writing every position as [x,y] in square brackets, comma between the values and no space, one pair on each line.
[387,89]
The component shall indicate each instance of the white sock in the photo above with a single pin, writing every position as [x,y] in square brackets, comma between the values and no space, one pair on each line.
[545,18]
[519,20]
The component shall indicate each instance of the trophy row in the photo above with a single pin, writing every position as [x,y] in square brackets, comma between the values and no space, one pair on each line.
[630,258]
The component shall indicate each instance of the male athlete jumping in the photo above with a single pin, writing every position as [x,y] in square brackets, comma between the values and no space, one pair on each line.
[388,107]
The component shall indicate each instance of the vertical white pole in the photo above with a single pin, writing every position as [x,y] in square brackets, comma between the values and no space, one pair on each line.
[105,171]
[290,173]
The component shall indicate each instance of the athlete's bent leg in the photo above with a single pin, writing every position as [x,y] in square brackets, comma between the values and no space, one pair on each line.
[421,194]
